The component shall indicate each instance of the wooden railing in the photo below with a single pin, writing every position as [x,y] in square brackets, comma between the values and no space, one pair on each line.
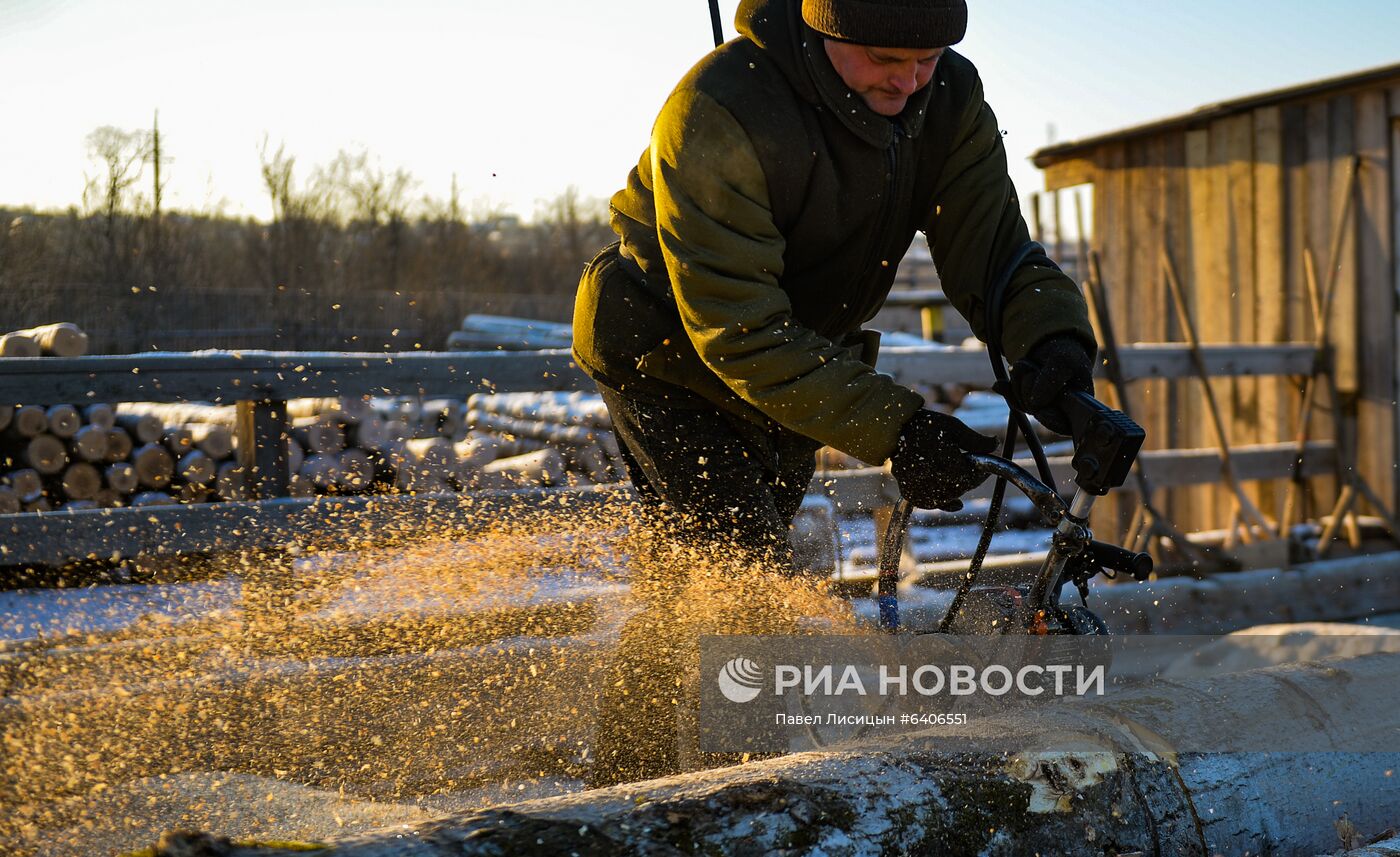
[261,382]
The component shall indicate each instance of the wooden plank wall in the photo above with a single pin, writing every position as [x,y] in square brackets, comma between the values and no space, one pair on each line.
[1236,201]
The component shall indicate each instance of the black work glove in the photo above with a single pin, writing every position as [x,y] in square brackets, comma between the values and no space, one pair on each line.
[930,460]
[1053,367]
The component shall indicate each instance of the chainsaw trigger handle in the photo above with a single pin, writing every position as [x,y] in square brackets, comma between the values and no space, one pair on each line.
[1139,565]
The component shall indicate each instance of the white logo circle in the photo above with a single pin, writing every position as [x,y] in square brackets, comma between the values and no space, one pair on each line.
[740,680]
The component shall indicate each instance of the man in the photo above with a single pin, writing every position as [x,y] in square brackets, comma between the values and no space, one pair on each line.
[786,176]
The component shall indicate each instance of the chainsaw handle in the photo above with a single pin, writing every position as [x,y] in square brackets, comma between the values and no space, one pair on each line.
[1045,498]
[1139,565]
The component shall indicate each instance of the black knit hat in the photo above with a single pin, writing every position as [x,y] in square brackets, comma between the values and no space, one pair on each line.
[889,23]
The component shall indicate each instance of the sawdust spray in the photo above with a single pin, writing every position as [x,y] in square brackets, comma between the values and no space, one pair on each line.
[327,688]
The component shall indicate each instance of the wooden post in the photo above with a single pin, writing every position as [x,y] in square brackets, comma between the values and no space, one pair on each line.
[931,321]
[1249,513]
[1375,294]
[1148,525]
[262,448]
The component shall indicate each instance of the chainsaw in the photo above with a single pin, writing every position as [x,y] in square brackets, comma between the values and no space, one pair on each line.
[1106,442]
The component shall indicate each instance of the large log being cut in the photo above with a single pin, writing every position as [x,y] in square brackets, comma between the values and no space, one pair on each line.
[913,794]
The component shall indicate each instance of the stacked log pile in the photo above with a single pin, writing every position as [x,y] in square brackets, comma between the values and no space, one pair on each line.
[138,454]
[506,333]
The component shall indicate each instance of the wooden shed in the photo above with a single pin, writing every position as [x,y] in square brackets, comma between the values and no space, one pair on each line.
[1240,199]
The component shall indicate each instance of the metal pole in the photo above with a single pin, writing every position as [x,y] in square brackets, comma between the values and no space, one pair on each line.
[715,23]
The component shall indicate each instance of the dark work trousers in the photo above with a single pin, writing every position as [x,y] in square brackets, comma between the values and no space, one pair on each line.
[724,479]
[712,480]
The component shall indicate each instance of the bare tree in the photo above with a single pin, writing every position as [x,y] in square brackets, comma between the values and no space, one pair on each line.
[376,201]
[119,155]
[157,158]
[572,223]
[300,216]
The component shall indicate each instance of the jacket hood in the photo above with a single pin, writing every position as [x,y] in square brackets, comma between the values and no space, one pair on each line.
[776,26]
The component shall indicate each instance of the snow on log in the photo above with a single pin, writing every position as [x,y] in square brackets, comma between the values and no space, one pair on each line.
[1388,847]
[18,345]
[570,409]
[144,428]
[320,434]
[543,467]
[63,339]
[552,432]
[912,794]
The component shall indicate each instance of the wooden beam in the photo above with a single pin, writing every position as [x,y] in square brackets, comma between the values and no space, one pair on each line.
[1205,218]
[872,487]
[230,376]
[918,298]
[1395,261]
[925,365]
[1346,305]
[1376,453]
[1071,172]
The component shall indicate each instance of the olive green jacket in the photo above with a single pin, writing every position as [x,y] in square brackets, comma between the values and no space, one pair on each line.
[763,226]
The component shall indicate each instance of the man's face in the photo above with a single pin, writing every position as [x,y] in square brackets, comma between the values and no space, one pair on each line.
[883,77]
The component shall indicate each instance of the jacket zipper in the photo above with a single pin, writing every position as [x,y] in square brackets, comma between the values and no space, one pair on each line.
[888,207]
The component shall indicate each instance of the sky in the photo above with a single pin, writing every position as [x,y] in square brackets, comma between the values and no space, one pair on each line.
[522,99]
